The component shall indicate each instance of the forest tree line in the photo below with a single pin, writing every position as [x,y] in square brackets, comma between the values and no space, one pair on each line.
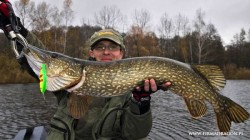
[177,38]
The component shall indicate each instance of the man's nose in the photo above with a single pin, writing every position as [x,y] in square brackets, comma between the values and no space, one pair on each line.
[106,51]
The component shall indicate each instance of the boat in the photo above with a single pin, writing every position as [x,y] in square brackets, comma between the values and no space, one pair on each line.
[32,133]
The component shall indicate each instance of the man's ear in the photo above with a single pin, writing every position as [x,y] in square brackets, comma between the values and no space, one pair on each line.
[91,53]
[123,54]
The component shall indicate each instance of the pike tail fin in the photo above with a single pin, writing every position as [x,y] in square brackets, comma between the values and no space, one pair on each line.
[78,105]
[230,112]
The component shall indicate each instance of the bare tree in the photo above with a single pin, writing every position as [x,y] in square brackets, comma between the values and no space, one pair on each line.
[239,39]
[242,36]
[185,26]
[236,40]
[67,13]
[178,22]
[108,17]
[68,16]
[23,8]
[124,23]
[205,34]
[141,18]
[56,17]
[181,25]
[208,48]
[200,29]
[56,22]
[165,29]
[248,35]
[166,26]
[40,17]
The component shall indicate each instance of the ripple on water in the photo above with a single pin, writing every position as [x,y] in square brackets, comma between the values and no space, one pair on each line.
[171,120]
[23,106]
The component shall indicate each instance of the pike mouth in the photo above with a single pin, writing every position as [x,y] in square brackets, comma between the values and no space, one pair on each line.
[78,83]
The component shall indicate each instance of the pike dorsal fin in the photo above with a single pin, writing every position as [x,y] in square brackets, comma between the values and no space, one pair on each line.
[212,74]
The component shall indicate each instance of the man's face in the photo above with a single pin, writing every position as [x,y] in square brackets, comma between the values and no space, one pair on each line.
[106,51]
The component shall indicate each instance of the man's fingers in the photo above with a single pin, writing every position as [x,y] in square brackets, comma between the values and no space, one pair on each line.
[146,85]
[138,89]
[167,84]
[153,85]
[150,85]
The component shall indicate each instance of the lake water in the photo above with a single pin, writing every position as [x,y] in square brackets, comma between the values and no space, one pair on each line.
[22,106]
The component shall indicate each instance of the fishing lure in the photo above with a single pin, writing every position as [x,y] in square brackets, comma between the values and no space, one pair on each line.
[43,79]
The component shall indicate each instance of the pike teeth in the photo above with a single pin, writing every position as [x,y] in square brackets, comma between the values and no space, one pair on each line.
[78,85]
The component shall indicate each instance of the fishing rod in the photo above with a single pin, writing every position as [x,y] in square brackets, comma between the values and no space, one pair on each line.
[12,30]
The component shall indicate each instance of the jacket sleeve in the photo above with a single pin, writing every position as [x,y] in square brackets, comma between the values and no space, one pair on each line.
[32,40]
[135,126]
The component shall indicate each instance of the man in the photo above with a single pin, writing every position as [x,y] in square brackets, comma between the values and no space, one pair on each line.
[124,117]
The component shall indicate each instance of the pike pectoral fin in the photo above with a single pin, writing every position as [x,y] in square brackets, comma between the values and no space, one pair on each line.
[65,80]
[197,108]
[78,105]
[56,83]
[212,74]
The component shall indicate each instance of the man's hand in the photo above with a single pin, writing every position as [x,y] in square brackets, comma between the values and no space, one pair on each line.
[150,86]
[141,95]
[9,21]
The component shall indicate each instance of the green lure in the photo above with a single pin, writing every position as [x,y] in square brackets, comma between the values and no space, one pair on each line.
[43,79]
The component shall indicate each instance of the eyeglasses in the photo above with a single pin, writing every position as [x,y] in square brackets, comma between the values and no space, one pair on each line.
[111,47]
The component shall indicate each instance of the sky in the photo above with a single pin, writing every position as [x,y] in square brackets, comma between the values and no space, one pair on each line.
[228,16]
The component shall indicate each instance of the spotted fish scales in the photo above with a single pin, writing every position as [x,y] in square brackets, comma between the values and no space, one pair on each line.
[195,84]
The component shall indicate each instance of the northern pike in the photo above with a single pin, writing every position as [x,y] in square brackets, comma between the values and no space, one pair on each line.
[82,78]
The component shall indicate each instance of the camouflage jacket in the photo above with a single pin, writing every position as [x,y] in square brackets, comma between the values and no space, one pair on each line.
[106,118]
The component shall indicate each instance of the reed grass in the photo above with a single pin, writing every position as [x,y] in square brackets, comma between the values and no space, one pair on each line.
[11,72]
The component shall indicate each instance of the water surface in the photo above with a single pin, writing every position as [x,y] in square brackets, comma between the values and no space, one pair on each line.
[22,106]
[172,120]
